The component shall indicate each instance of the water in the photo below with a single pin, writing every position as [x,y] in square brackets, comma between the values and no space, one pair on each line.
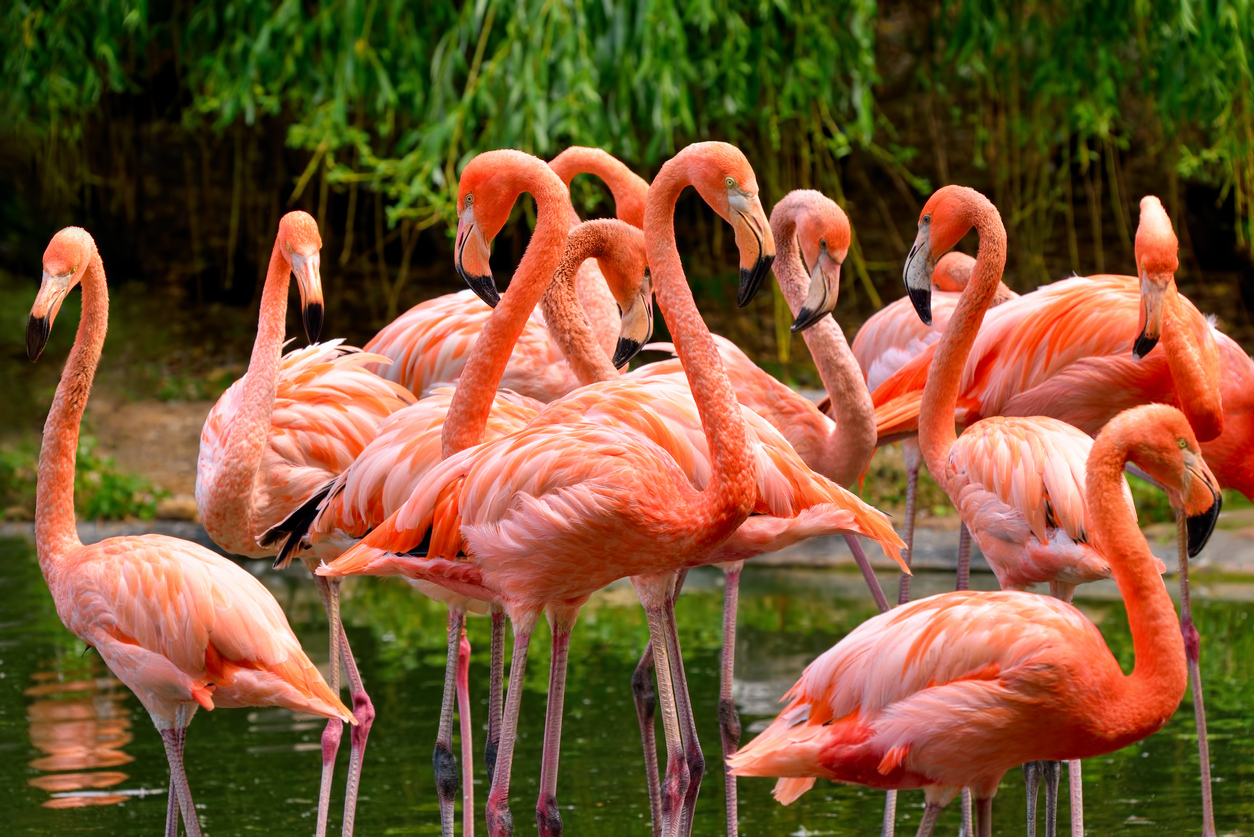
[79,756]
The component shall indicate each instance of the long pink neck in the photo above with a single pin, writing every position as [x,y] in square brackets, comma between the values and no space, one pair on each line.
[937,432]
[730,494]
[851,443]
[1153,690]
[563,314]
[472,401]
[1194,365]
[231,493]
[56,533]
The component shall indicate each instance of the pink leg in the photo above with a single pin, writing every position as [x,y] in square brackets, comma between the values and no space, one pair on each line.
[912,491]
[548,818]
[675,785]
[646,702]
[728,717]
[174,740]
[889,827]
[496,689]
[500,821]
[877,593]
[172,810]
[964,558]
[467,736]
[1192,653]
[687,723]
[968,815]
[931,813]
[446,778]
[328,591]
[984,817]
[363,711]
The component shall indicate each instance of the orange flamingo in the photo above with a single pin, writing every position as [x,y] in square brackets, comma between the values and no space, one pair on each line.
[954,690]
[430,343]
[278,435]
[182,627]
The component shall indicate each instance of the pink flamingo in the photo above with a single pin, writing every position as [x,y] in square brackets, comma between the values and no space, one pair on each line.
[952,691]
[182,627]
[279,435]
[430,343]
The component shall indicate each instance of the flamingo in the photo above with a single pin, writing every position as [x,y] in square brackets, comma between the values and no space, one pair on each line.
[182,627]
[628,410]
[277,436]
[430,343]
[953,690]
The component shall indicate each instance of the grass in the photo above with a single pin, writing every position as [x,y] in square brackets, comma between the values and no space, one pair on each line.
[101,491]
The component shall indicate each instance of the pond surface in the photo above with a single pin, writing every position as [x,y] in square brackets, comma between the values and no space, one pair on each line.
[79,756]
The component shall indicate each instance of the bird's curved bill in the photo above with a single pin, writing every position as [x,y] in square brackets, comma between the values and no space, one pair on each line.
[636,328]
[472,257]
[308,272]
[755,242]
[1202,503]
[1153,292]
[823,293]
[52,292]
[918,275]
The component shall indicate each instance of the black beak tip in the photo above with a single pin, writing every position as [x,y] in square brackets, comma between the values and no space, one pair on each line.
[751,280]
[922,302]
[1200,527]
[625,351]
[312,315]
[1143,345]
[483,286]
[37,330]
[805,319]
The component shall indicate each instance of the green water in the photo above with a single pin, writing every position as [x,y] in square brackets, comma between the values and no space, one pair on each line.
[66,725]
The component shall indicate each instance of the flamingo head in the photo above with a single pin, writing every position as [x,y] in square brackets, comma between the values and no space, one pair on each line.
[620,253]
[953,272]
[65,261]
[945,219]
[1164,447]
[824,235]
[724,178]
[1156,263]
[300,243]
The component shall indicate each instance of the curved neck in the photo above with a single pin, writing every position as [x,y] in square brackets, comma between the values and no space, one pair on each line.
[472,400]
[1157,680]
[564,315]
[729,496]
[937,432]
[850,445]
[55,530]
[630,191]
[1194,365]
[250,426]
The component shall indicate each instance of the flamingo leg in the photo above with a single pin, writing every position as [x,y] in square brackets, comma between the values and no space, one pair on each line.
[728,717]
[328,591]
[868,574]
[968,815]
[1032,780]
[984,816]
[1052,771]
[889,828]
[675,785]
[964,558]
[1192,652]
[687,721]
[646,703]
[931,813]
[172,810]
[548,818]
[445,763]
[500,821]
[467,735]
[496,688]
[363,711]
[174,739]
[1077,798]
[912,490]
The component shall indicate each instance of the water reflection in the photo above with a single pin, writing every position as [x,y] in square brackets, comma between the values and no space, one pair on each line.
[79,726]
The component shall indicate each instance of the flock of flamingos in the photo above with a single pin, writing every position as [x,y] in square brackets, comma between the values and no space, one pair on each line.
[501,460]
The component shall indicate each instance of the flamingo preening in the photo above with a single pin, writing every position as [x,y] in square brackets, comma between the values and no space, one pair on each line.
[181,626]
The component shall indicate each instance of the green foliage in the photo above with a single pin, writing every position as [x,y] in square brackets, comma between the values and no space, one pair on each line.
[101,491]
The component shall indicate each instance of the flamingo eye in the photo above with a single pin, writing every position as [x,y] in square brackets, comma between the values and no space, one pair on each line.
[288,244]
[927,219]
[731,182]
[1184,445]
[823,243]
[470,199]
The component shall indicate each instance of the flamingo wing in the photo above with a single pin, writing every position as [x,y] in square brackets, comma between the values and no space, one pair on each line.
[893,335]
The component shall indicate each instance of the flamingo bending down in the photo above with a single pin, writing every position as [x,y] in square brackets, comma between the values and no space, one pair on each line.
[281,433]
[430,343]
[954,690]
[181,626]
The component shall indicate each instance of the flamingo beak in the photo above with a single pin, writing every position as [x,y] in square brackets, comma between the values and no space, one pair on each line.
[308,272]
[52,292]
[1201,507]
[1153,292]
[823,293]
[918,274]
[472,255]
[637,325]
[755,242]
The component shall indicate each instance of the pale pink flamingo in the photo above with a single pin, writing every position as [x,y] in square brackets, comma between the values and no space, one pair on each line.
[277,436]
[430,343]
[182,627]
[952,691]
[382,551]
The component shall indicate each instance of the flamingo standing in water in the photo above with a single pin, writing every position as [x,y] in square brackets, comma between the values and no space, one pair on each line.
[430,343]
[279,435]
[182,627]
[953,690]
